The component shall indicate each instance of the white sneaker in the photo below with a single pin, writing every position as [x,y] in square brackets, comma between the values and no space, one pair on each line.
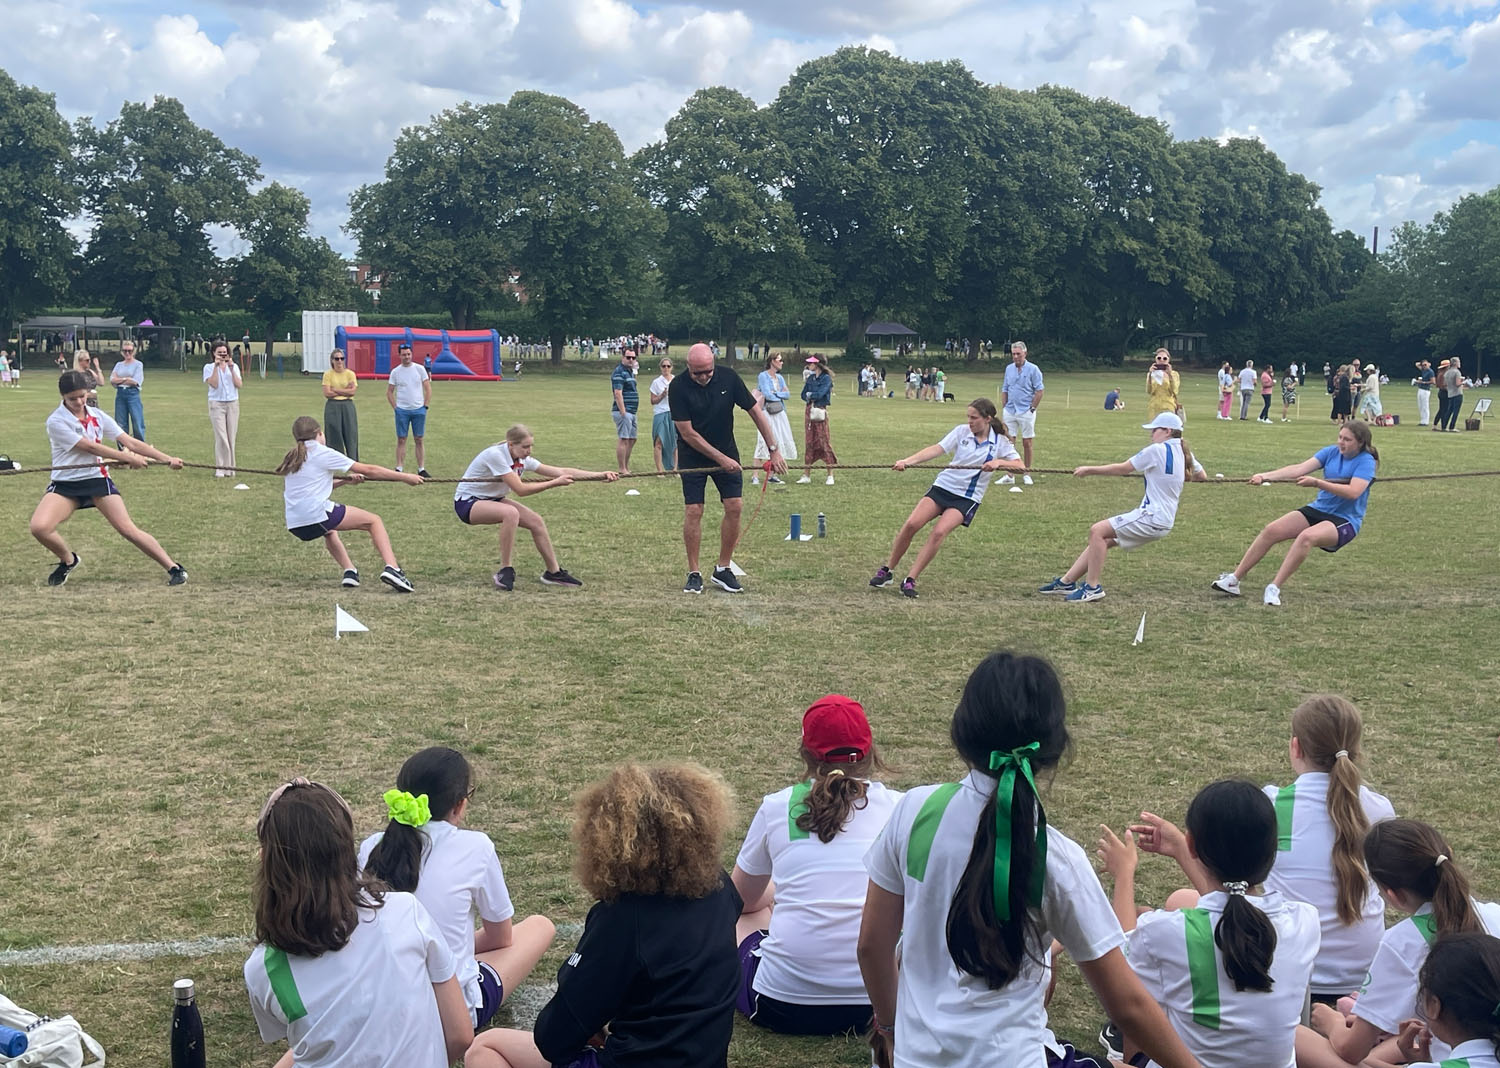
[1026,479]
[755,480]
[828,481]
[1273,595]
[1006,480]
[1227,583]
[803,480]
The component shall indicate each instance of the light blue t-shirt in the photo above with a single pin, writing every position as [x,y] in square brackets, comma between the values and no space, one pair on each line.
[135,370]
[1020,386]
[1336,467]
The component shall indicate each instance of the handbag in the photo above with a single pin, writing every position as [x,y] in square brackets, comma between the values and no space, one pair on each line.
[50,1043]
[818,415]
[775,407]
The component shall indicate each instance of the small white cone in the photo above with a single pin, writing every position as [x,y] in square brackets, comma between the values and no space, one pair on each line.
[632,493]
[1015,489]
[343,621]
[1140,631]
[240,485]
[736,570]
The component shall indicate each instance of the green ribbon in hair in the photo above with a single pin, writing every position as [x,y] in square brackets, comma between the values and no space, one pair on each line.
[406,809]
[1008,764]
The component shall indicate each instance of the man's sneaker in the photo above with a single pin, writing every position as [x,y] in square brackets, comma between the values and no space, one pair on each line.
[1085,592]
[1026,479]
[398,468]
[804,480]
[828,481]
[909,587]
[560,577]
[1273,595]
[883,578]
[1057,585]
[61,572]
[694,583]
[1228,583]
[396,579]
[1112,1041]
[773,480]
[724,578]
[1005,480]
[351,577]
[422,473]
[505,579]
[176,575]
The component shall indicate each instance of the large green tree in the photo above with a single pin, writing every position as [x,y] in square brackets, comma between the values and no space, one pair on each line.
[433,223]
[286,268]
[730,243]
[153,182]
[878,148]
[36,196]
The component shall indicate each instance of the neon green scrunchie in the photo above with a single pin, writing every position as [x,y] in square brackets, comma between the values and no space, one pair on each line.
[1007,763]
[406,809]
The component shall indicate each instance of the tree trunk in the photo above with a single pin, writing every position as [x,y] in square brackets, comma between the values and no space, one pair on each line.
[460,311]
[974,341]
[859,321]
[731,323]
[559,345]
[270,344]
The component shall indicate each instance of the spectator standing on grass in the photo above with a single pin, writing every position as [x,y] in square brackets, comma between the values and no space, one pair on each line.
[128,376]
[1267,387]
[1226,390]
[1369,395]
[1163,386]
[663,433]
[409,393]
[702,405]
[340,420]
[1288,392]
[5,369]
[222,375]
[88,366]
[1423,382]
[1328,376]
[1247,388]
[1453,389]
[817,391]
[623,407]
[1020,398]
[774,394]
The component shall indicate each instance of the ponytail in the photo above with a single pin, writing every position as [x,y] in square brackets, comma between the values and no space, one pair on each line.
[1233,826]
[1010,720]
[1366,438]
[837,791]
[986,407]
[1410,855]
[1328,728]
[430,786]
[304,429]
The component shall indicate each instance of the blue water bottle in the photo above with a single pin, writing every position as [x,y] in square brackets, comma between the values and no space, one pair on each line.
[796,534]
[822,525]
[12,1042]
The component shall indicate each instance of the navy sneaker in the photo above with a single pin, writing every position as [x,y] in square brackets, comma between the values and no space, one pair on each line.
[560,577]
[725,580]
[883,578]
[1057,585]
[61,572]
[396,579]
[176,576]
[694,583]
[505,579]
[351,578]
[1085,592]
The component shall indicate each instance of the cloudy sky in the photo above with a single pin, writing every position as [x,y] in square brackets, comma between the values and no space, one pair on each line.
[1393,108]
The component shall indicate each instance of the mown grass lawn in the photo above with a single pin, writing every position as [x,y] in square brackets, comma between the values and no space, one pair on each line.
[145,724]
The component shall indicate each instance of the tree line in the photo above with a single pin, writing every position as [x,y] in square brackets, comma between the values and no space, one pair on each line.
[873,185]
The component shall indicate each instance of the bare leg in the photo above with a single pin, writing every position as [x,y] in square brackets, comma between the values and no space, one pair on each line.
[1304,543]
[335,547]
[113,509]
[1026,451]
[285,1060]
[1090,562]
[729,529]
[504,1047]
[692,532]
[622,454]
[421,452]
[508,524]
[530,938]
[533,523]
[52,511]
[656,453]
[400,453]
[750,922]
[946,524]
[359,519]
[925,512]
[1277,531]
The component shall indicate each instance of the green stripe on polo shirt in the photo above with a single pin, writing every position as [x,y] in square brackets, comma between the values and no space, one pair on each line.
[1285,799]
[1427,924]
[1203,969]
[924,829]
[279,971]
[795,808]
[1454,1062]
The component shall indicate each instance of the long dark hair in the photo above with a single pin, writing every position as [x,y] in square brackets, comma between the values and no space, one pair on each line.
[1233,826]
[443,775]
[1462,971]
[71,382]
[1009,702]
[1410,855]
[838,789]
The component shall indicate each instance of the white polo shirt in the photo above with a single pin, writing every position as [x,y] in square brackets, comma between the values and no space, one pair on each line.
[946,1017]
[65,430]
[961,444]
[225,391]
[1475,1053]
[1390,991]
[1222,1026]
[408,382]
[307,489]
[808,957]
[1162,465]
[368,1005]
[460,879]
[1304,872]
[491,463]
[1247,379]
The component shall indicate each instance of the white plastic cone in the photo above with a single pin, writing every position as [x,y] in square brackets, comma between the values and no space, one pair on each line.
[343,621]
[1140,632]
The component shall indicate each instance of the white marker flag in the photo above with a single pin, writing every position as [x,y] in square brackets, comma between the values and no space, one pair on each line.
[343,621]
[1140,632]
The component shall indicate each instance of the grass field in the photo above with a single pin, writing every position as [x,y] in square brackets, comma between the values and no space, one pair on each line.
[145,725]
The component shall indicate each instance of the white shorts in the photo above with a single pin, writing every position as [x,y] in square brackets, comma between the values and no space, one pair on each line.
[1136,528]
[1022,425]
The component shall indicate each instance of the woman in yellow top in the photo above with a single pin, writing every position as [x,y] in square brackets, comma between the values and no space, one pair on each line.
[340,420]
[1161,387]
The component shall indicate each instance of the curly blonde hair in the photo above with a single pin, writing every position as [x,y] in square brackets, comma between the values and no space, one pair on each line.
[652,829]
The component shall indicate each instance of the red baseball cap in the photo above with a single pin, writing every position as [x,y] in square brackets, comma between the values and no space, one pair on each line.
[836,731]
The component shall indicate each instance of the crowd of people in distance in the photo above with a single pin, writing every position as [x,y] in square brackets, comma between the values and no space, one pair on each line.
[931,920]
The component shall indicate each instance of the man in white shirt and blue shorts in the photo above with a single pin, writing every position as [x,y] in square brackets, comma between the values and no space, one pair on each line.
[409,393]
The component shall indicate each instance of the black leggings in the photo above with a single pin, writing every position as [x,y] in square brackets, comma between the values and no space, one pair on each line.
[1265,410]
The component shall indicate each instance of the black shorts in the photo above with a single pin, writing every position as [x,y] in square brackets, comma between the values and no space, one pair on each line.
[730,484]
[1314,516]
[314,531]
[83,490]
[946,500]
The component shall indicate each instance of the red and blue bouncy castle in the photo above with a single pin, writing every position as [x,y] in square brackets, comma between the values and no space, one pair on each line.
[448,355]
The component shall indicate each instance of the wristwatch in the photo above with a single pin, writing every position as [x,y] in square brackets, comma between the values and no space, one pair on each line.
[773,448]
